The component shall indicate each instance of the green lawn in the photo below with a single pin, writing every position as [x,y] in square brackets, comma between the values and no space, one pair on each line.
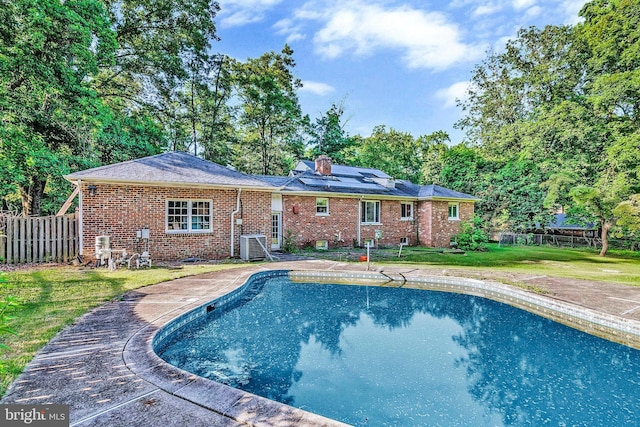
[52,298]
[618,266]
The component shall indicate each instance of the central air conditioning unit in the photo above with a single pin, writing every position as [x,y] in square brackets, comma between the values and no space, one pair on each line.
[253,247]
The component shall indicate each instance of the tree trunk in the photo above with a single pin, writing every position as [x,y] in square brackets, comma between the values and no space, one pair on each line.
[604,235]
[32,197]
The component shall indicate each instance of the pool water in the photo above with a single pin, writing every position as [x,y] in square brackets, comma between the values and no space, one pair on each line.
[394,356]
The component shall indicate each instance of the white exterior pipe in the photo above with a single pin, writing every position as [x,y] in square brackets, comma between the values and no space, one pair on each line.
[359,218]
[233,223]
[79,219]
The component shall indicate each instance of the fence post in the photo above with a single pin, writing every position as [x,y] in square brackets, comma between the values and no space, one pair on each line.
[65,238]
[41,240]
[58,222]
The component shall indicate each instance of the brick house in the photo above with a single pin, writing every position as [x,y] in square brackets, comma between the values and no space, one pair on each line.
[196,208]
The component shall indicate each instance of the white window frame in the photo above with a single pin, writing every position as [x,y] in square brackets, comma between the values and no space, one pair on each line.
[455,217]
[402,207]
[364,210]
[326,207]
[404,241]
[190,204]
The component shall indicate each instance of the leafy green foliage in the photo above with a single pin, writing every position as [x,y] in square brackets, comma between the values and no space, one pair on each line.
[328,136]
[471,236]
[270,117]
[397,153]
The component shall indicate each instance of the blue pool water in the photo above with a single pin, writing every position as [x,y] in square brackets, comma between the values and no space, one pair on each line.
[388,356]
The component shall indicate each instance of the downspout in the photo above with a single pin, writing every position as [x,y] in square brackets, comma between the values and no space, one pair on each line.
[359,218]
[80,216]
[233,223]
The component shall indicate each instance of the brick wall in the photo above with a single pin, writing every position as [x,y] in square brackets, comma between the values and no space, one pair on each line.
[119,210]
[436,228]
[299,217]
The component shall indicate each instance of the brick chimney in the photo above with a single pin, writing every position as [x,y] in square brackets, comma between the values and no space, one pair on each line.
[323,165]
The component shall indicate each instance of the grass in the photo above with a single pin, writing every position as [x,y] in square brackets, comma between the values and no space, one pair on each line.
[621,267]
[51,298]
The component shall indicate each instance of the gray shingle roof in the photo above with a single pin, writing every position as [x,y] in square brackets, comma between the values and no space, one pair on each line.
[179,168]
[170,168]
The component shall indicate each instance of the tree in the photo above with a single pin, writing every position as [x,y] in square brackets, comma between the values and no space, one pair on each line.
[84,82]
[397,153]
[433,148]
[628,214]
[270,118]
[49,54]
[328,135]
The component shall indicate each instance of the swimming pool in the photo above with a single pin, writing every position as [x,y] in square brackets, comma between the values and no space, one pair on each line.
[375,356]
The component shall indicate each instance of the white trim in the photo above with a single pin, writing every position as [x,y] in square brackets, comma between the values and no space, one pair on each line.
[378,222]
[453,218]
[406,218]
[327,206]
[170,184]
[189,230]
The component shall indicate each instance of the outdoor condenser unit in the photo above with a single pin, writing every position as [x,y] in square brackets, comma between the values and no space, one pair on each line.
[253,246]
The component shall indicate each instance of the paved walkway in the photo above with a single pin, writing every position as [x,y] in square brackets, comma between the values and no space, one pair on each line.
[104,368]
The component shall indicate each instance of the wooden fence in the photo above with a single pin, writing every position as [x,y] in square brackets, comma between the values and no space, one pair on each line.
[38,239]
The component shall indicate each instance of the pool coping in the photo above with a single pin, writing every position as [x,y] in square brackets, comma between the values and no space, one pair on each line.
[239,405]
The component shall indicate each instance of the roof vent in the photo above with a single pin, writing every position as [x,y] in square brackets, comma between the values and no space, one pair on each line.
[323,165]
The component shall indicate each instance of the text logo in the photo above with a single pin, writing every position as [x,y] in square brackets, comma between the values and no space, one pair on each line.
[34,415]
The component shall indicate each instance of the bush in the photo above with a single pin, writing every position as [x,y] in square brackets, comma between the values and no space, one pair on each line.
[289,244]
[471,236]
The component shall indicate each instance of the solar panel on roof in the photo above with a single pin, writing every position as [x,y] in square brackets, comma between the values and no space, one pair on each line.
[342,183]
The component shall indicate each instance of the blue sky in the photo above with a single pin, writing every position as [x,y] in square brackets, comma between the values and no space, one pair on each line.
[396,63]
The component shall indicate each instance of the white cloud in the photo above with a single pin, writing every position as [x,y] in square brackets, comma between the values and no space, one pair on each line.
[533,12]
[288,28]
[523,4]
[453,93]
[426,39]
[235,13]
[571,9]
[316,88]
[487,9]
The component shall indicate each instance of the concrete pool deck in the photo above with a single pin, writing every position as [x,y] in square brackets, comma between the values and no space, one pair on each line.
[104,368]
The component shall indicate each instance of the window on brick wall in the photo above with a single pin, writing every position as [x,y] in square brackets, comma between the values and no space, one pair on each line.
[189,216]
[454,210]
[322,206]
[370,212]
[406,210]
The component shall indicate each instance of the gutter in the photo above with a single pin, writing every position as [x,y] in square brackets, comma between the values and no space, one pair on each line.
[233,223]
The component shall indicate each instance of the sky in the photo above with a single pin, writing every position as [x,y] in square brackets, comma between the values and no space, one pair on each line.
[401,64]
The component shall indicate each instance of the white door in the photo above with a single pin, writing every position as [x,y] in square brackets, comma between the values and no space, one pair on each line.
[276,234]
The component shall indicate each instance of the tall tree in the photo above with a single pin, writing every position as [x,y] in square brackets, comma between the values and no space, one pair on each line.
[270,116]
[85,81]
[50,52]
[328,135]
[433,148]
[397,153]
